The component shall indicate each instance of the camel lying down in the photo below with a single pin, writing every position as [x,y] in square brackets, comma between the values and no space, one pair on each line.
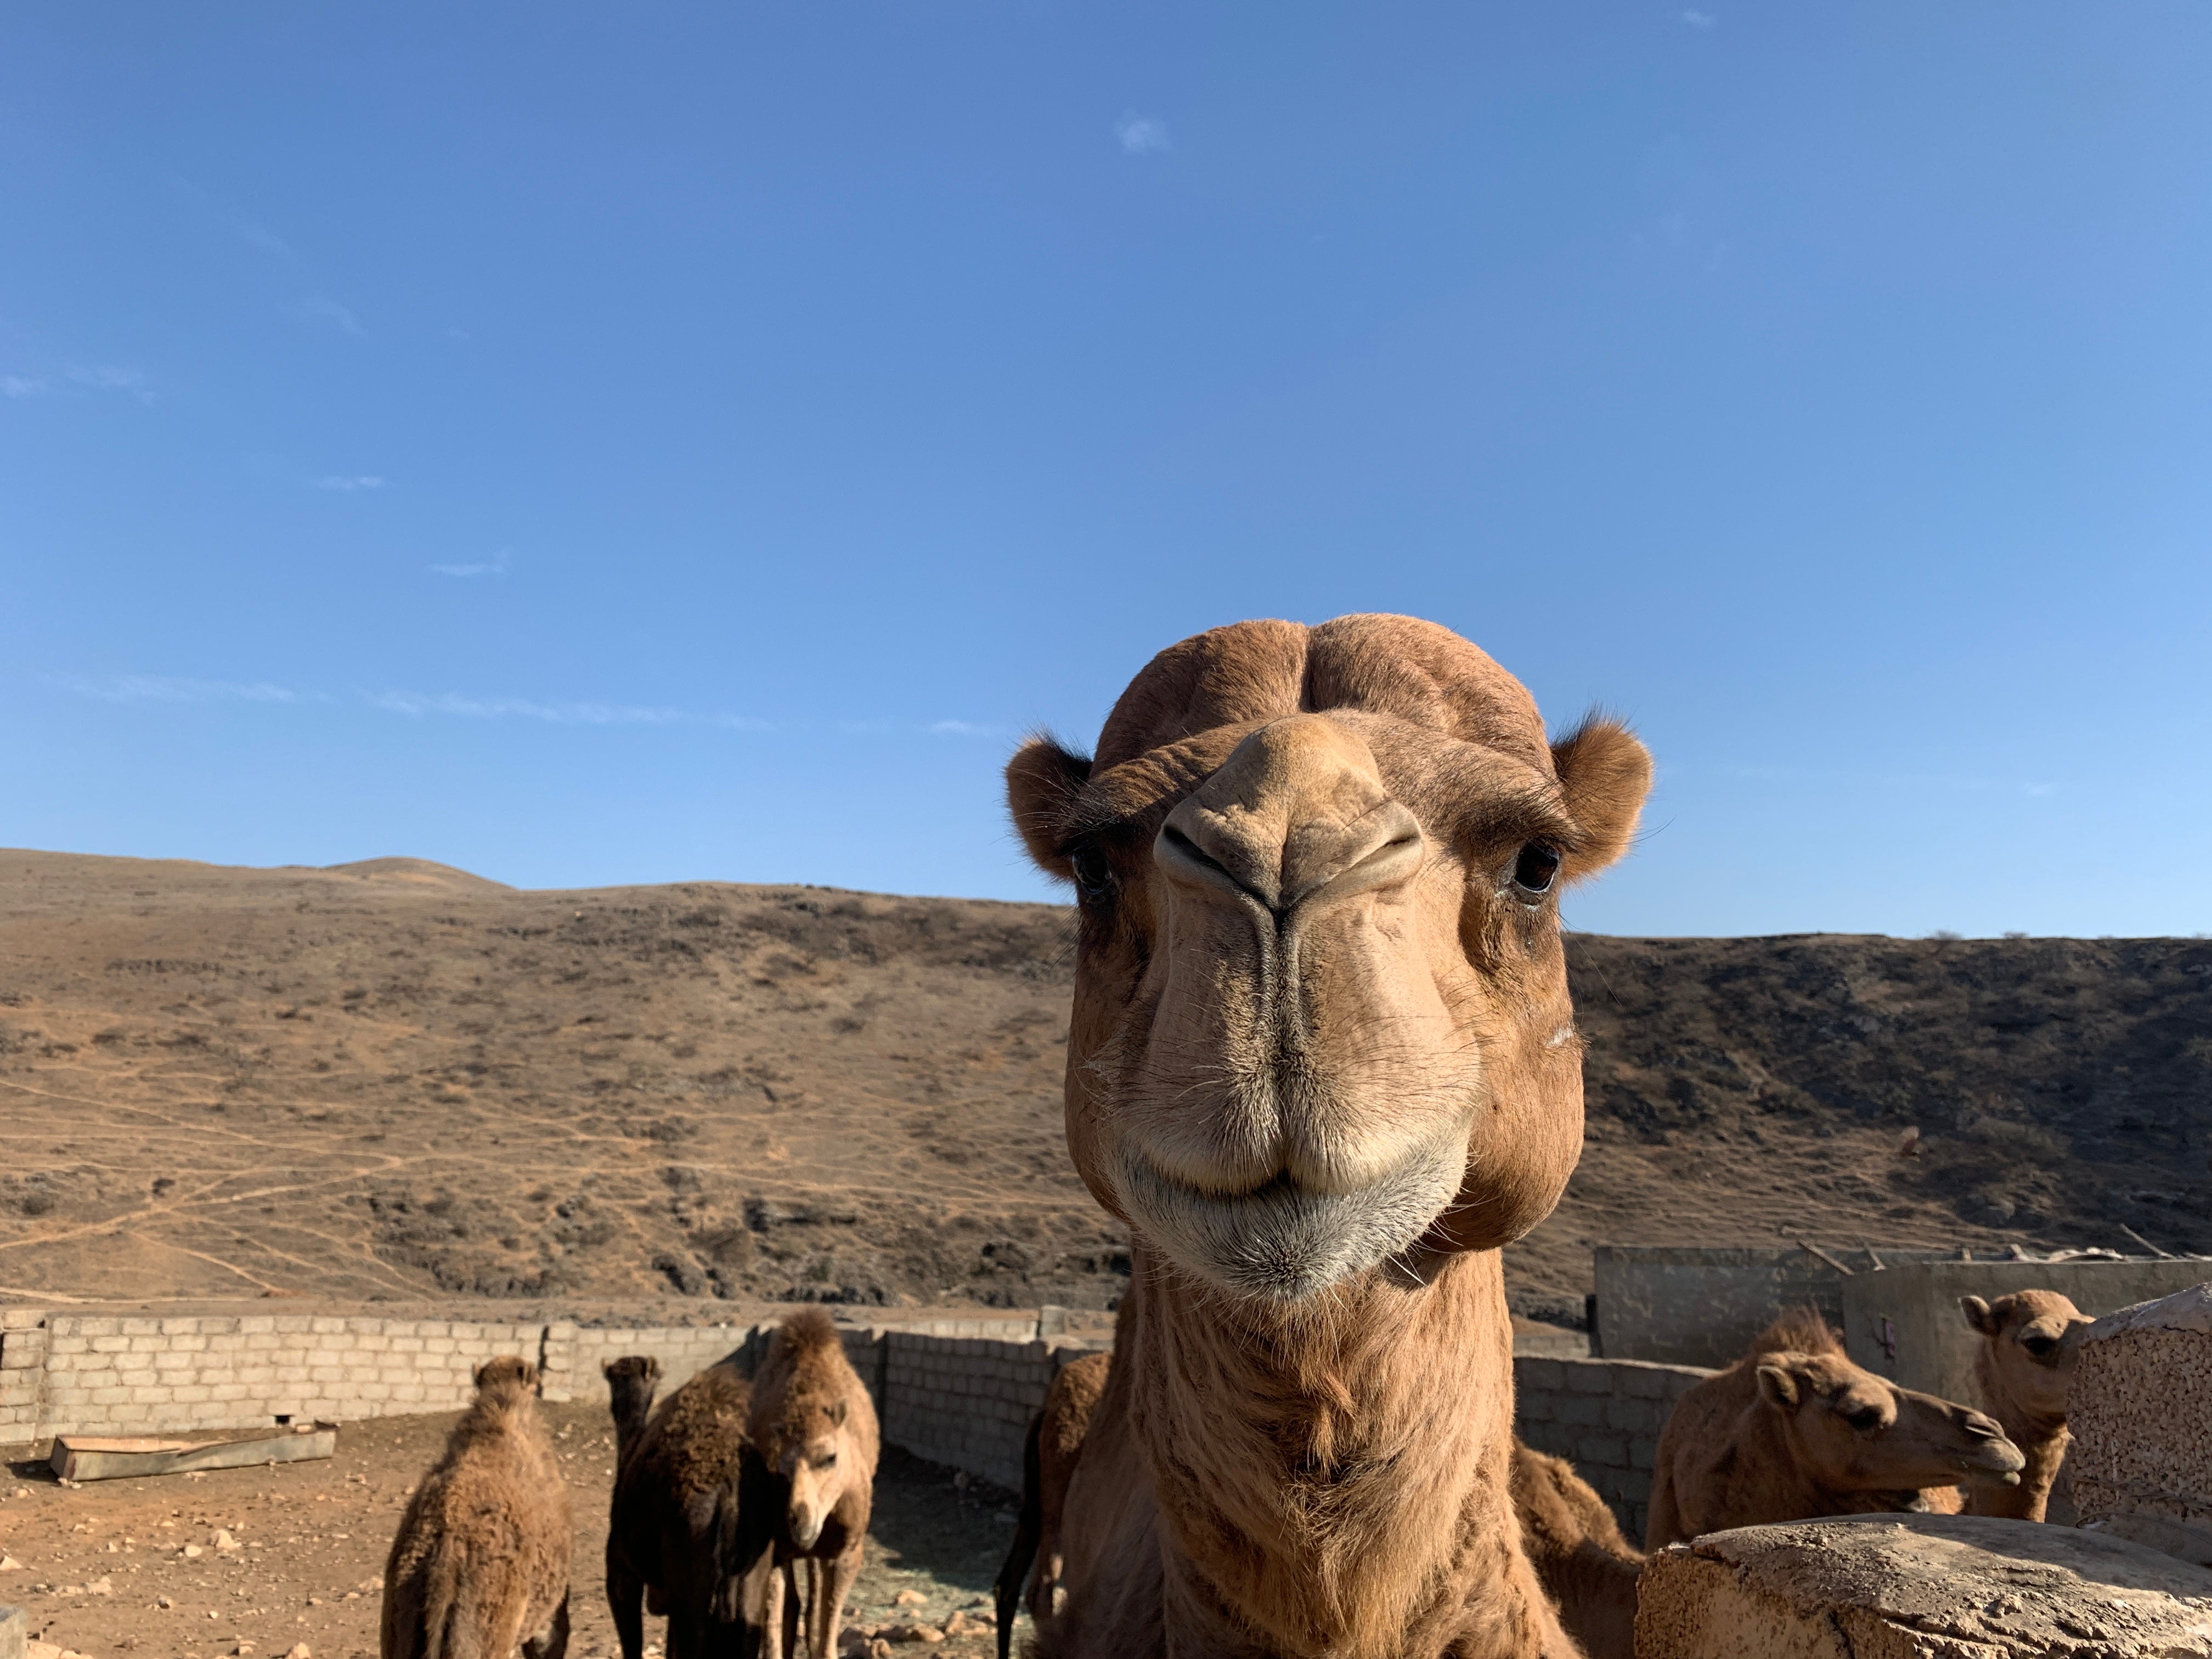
[480,1565]
[1794,1430]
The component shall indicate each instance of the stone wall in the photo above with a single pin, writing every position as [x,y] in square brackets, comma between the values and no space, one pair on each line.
[1905,1323]
[2140,1406]
[957,1391]
[1604,1417]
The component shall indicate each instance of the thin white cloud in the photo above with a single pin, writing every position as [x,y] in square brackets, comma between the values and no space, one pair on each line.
[321,308]
[107,377]
[20,385]
[495,566]
[165,688]
[416,704]
[348,482]
[267,240]
[1142,135]
[965,729]
[1699,19]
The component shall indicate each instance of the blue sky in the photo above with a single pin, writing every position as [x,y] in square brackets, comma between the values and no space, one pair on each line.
[592,444]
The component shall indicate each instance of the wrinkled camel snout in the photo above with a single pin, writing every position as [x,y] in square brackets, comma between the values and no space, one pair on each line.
[1308,1095]
[1298,813]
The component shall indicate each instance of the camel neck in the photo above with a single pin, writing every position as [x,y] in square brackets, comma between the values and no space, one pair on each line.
[1335,1483]
[2042,1442]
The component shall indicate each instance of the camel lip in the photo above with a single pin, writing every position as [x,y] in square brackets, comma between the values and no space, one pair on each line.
[1282,1242]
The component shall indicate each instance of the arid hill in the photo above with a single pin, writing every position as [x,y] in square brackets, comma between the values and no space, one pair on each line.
[396,1080]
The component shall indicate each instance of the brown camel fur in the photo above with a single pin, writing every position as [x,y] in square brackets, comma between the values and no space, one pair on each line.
[1794,1430]
[2030,1340]
[815,1429]
[1583,1561]
[684,1526]
[632,1381]
[1048,1460]
[1323,1063]
[480,1567]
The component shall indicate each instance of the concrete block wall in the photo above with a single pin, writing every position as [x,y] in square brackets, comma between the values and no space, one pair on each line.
[141,1374]
[968,1401]
[957,1391]
[1604,1417]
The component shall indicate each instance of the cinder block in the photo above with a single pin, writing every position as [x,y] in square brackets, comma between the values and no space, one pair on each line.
[1918,1587]
[1588,1376]
[1637,1416]
[2140,1406]
[1582,1410]
[1605,1450]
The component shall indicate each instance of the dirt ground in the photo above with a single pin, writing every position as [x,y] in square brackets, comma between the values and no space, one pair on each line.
[141,1567]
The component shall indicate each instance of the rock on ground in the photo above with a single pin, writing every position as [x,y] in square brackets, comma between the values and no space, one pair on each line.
[1920,1587]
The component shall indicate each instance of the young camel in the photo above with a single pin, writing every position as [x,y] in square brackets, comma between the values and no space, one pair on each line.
[1048,1460]
[632,1381]
[1584,1562]
[685,1525]
[814,1428]
[1794,1430]
[2029,1343]
[1324,1064]
[480,1565]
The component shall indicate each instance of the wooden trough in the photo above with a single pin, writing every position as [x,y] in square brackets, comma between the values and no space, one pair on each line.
[99,1457]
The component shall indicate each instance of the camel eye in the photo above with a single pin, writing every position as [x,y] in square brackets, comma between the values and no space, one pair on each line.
[1534,869]
[1094,876]
[829,1461]
[2041,1346]
[1864,1418]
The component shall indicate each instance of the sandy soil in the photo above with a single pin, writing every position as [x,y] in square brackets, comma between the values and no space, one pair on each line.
[136,1565]
[398,1083]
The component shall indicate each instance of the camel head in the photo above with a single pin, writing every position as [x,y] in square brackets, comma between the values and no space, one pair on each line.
[632,1380]
[810,1454]
[2030,1340]
[506,1377]
[1322,1021]
[1851,1431]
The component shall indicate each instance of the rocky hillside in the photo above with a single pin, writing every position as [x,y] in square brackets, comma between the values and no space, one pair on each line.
[394,1080]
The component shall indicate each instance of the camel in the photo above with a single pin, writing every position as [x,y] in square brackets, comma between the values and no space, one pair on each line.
[480,1564]
[1323,1064]
[1048,1460]
[632,1382]
[2030,1340]
[684,1526]
[1794,1430]
[1583,1561]
[814,1428]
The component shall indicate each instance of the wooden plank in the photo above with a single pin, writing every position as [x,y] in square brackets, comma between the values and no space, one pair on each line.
[85,1458]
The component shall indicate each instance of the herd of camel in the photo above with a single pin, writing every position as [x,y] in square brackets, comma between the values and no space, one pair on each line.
[1323,1066]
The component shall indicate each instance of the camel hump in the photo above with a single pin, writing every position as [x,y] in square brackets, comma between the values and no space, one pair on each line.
[1796,1330]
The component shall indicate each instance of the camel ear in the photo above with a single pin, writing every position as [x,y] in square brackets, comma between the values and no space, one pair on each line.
[1978,1315]
[1777,1387]
[1043,781]
[1604,772]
